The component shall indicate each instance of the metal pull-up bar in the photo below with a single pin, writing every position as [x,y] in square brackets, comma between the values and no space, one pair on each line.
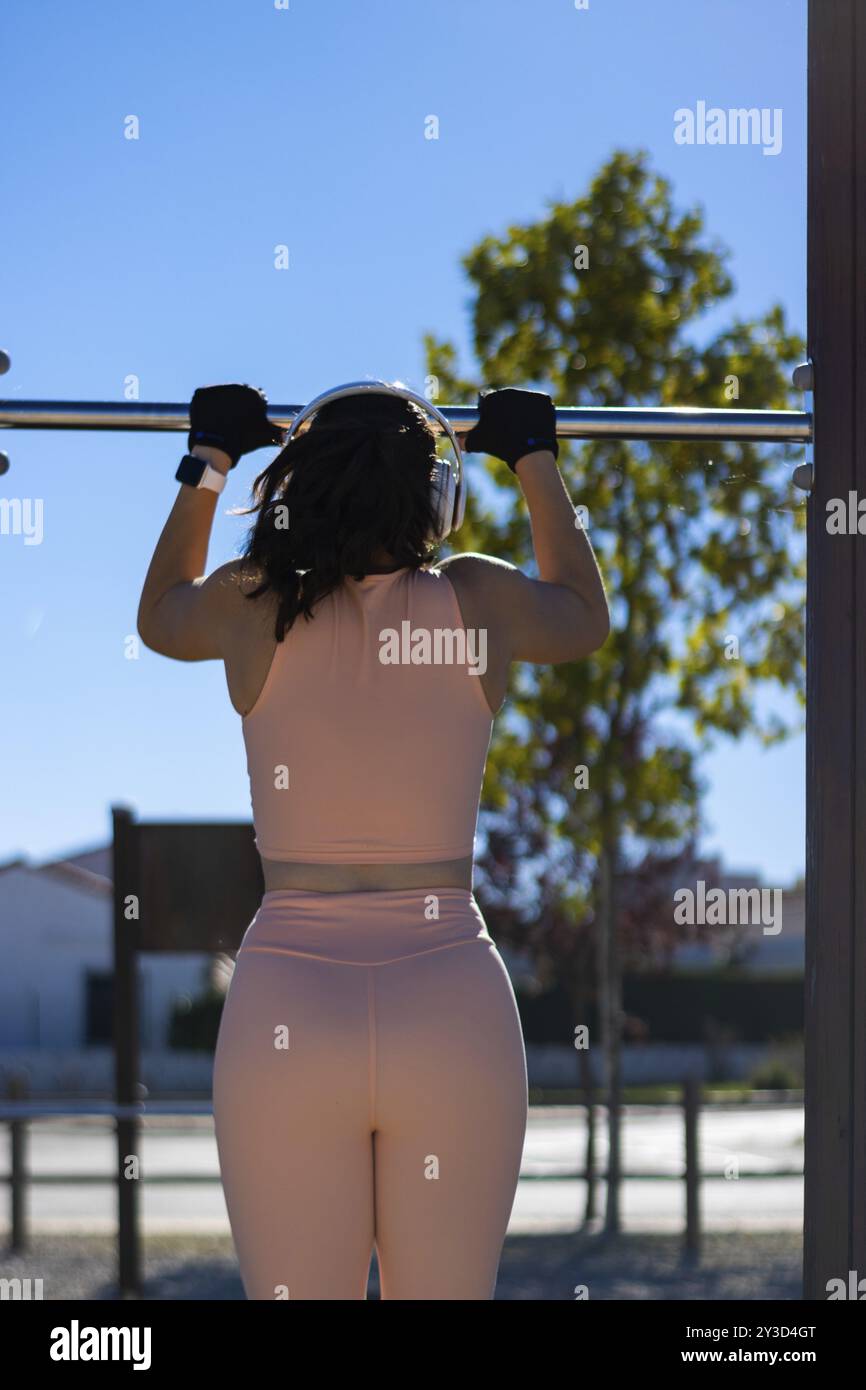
[572,422]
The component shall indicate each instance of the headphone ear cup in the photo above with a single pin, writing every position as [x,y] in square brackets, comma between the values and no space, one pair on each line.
[457,518]
[448,500]
[444,488]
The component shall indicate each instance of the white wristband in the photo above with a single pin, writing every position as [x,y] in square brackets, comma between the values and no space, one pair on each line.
[213,479]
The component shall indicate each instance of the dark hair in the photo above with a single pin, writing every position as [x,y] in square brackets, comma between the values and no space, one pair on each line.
[356,479]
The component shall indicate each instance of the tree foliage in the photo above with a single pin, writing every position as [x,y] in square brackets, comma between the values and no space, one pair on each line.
[700,544]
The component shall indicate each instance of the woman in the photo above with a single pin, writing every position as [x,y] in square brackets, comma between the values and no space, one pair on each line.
[370,1075]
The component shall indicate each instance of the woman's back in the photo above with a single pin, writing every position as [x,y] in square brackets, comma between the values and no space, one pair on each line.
[368,740]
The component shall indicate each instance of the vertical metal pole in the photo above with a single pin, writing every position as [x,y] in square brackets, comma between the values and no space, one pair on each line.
[17,1090]
[835,1003]
[127,900]
[691,1105]
[609,988]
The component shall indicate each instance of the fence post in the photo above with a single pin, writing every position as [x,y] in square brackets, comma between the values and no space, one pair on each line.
[128,1134]
[691,1106]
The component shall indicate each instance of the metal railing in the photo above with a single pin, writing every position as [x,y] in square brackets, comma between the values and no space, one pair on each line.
[572,422]
[18,1113]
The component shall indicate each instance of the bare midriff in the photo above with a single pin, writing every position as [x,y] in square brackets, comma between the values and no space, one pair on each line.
[370,878]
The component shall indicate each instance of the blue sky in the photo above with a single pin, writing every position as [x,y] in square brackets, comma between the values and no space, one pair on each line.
[155,258]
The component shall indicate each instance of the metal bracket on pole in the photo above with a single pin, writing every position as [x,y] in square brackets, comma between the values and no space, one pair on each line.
[804,380]
[5,364]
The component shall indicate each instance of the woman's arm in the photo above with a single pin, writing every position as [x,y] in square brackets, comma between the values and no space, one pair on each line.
[180,612]
[562,615]
[567,602]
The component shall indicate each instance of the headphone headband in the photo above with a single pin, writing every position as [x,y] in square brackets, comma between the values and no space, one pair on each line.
[379,388]
[386,388]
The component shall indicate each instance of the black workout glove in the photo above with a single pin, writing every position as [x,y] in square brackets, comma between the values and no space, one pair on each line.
[233,418]
[512,423]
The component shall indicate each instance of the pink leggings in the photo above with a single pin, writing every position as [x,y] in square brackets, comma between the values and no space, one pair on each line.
[369,1088]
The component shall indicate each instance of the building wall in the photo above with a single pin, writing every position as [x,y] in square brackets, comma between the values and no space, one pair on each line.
[56,928]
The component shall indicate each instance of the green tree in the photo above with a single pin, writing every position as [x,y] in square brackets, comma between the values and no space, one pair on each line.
[700,546]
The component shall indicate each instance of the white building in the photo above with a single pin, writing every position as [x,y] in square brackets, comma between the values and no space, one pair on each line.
[778,943]
[57,964]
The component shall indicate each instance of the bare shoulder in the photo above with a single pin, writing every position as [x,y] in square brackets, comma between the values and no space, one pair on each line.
[235,578]
[230,586]
[540,621]
[490,586]
[483,575]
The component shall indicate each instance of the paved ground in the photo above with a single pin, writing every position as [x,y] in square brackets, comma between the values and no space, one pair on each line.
[540,1268]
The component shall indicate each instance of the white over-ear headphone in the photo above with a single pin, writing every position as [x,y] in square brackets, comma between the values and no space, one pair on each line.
[449,491]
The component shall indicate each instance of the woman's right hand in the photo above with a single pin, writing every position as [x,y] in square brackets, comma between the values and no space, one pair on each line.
[513,423]
[232,417]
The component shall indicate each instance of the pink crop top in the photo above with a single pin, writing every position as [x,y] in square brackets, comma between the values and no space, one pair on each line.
[368,742]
